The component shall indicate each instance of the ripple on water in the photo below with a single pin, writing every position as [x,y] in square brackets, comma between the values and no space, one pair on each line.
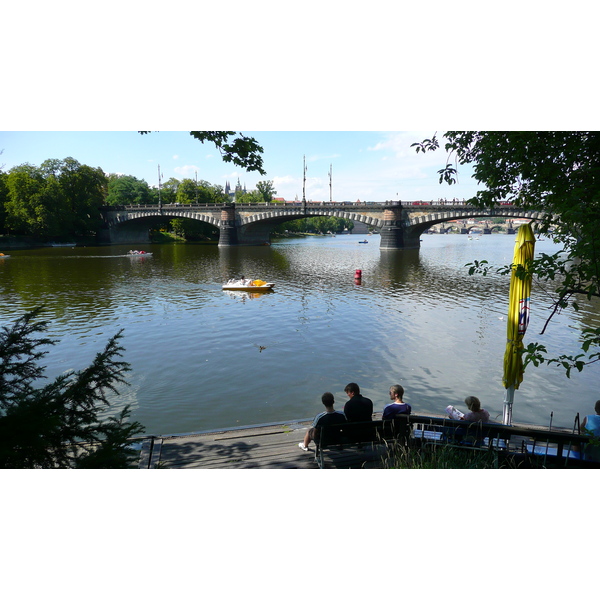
[201,358]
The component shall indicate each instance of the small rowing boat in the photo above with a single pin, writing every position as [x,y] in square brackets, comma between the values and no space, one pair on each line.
[4,255]
[139,253]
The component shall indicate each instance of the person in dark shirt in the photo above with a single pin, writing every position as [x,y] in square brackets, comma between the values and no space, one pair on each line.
[358,408]
[398,406]
[329,416]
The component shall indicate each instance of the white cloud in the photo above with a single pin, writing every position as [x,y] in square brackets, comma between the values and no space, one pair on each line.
[175,156]
[285,180]
[399,143]
[186,170]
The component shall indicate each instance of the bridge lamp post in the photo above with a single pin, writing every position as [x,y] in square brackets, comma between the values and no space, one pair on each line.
[159,198]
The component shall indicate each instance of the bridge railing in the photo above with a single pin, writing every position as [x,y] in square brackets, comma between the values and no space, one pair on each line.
[441,202]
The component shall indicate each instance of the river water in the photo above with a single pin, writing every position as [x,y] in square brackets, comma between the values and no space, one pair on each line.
[203,358]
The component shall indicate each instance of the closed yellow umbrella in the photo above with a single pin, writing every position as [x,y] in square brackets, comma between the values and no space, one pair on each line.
[518,318]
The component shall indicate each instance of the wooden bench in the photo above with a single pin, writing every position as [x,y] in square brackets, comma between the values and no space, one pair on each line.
[359,435]
[414,430]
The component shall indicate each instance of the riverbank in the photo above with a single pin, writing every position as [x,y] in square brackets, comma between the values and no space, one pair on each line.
[22,242]
[275,446]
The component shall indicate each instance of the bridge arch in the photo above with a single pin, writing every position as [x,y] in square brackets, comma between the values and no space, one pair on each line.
[257,227]
[121,217]
[421,223]
[401,224]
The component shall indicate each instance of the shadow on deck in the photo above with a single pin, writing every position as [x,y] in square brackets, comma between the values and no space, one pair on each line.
[266,447]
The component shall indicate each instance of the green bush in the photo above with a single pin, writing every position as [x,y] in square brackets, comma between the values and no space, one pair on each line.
[63,424]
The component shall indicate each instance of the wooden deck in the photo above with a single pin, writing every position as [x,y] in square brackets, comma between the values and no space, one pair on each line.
[274,446]
[260,447]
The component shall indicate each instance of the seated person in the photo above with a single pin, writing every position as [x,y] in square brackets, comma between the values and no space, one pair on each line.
[358,408]
[398,406]
[591,425]
[476,413]
[329,417]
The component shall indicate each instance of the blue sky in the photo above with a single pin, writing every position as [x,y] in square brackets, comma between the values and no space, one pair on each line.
[370,166]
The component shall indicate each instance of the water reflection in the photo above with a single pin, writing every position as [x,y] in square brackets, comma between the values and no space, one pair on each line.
[205,358]
[243,296]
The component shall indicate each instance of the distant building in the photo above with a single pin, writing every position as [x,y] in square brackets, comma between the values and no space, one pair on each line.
[238,191]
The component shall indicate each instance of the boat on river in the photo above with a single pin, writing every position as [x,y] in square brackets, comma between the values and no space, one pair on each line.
[4,255]
[248,285]
[364,242]
[139,253]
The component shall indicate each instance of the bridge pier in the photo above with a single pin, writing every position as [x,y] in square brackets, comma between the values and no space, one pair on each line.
[401,224]
[228,231]
[394,234]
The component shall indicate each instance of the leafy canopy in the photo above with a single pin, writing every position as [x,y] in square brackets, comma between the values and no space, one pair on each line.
[558,174]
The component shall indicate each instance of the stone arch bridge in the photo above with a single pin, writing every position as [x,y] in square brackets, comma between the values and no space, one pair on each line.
[400,223]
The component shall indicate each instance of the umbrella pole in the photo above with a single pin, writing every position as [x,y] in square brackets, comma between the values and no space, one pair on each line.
[508,404]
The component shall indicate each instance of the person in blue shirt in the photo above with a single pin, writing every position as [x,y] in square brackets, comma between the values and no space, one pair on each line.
[592,422]
[398,406]
[329,416]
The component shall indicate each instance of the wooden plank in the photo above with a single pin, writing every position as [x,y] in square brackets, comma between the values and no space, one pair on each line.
[266,448]
[272,446]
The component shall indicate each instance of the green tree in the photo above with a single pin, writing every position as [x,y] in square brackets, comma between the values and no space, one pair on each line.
[558,174]
[193,230]
[3,199]
[127,189]
[26,212]
[254,196]
[217,194]
[186,191]
[83,190]
[189,192]
[59,198]
[168,190]
[266,190]
[63,423]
